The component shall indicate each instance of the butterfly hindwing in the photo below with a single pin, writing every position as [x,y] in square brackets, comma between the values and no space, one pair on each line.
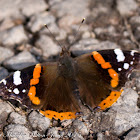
[93,87]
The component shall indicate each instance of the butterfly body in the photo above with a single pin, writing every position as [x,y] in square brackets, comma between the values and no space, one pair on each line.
[67,66]
[55,88]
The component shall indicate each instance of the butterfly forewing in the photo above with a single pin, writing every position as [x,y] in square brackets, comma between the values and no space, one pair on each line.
[16,86]
[123,62]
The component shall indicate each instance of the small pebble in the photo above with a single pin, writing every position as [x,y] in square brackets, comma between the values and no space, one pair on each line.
[16,118]
[38,121]
[13,36]
[48,46]
[5,53]
[20,61]
[16,131]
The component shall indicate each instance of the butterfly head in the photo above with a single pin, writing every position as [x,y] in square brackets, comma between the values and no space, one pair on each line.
[66,63]
[65,52]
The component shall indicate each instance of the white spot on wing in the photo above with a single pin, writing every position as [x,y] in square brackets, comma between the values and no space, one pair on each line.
[115,74]
[132,52]
[9,90]
[126,66]
[3,81]
[16,91]
[120,55]
[23,90]
[131,62]
[16,78]
[119,69]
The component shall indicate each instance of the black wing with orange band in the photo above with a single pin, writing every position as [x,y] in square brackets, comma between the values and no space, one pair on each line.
[102,74]
[40,87]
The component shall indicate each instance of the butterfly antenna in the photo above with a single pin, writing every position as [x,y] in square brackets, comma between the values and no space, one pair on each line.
[76,33]
[53,35]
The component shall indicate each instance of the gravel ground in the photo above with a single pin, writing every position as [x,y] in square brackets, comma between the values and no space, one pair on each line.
[25,41]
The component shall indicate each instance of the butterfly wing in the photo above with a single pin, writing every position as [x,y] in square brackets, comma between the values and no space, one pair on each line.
[102,74]
[41,87]
[16,86]
[123,62]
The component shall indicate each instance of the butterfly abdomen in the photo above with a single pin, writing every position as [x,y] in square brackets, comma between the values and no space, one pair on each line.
[67,67]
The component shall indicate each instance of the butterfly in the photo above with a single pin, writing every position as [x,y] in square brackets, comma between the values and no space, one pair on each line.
[55,88]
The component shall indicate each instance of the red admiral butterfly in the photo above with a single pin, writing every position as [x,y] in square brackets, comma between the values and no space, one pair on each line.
[56,87]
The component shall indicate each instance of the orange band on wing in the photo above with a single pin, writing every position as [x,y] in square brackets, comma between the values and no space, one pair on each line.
[34,81]
[115,79]
[32,92]
[106,65]
[36,101]
[112,98]
[37,71]
[114,83]
[113,74]
[98,57]
[56,115]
